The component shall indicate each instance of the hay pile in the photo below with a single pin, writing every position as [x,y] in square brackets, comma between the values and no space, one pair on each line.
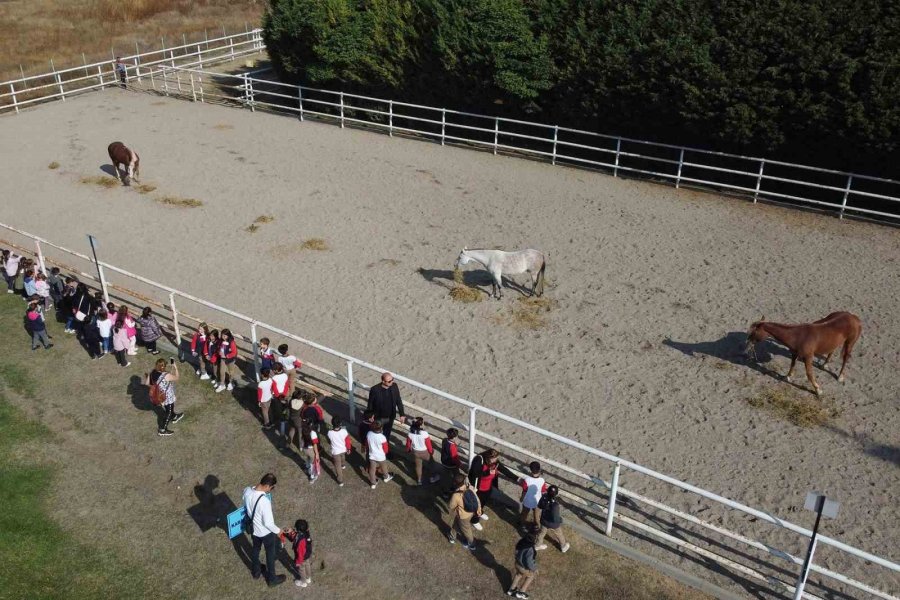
[314,244]
[531,313]
[101,180]
[179,202]
[461,292]
[799,407]
[146,188]
[53,165]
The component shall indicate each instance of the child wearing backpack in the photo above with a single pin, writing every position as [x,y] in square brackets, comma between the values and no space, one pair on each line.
[551,520]
[533,487]
[464,506]
[526,567]
[301,541]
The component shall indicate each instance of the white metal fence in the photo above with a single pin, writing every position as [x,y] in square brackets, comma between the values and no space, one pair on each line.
[605,506]
[753,177]
[58,84]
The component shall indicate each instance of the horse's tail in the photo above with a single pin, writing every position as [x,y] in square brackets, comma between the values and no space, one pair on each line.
[540,276]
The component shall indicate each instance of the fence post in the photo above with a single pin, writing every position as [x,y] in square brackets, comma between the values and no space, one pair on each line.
[496,132]
[250,94]
[244,90]
[613,490]
[200,84]
[163,42]
[40,256]
[62,92]
[254,345]
[390,118]
[762,165]
[443,124]
[300,100]
[83,61]
[846,193]
[12,89]
[230,45]
[137,64]
[342,110]
[100,74]
[199,57]
[175,322]
[172,58]
[618,149]
[471,435]
[555,137]
[193,91]
[152,81]
[680,164]
[351,398]
[178,79]
[165,76]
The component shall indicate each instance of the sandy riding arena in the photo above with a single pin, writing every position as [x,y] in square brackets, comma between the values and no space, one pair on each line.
[650,290]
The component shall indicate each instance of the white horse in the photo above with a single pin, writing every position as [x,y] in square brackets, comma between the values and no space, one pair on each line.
[498,262]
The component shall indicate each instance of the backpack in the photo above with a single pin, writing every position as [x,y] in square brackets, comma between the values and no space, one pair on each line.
[470,501]
[156,395]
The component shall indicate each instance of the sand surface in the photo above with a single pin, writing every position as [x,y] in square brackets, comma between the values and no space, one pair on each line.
[652,286]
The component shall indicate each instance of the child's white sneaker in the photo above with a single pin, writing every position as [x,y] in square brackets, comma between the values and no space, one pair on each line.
[541,547]
[230,387]
[299,583]
[478,526]
[565,548]
[220,388]
[308,580]
[484,517]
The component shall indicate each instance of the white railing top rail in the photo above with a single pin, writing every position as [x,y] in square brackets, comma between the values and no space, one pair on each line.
[764,516]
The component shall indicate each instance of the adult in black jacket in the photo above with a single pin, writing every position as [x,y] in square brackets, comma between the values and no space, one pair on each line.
[483,475]
[385,403]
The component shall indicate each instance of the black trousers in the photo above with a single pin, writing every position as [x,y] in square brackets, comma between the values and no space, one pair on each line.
[168,415]
[151,346]
[120,358]
[387,425]
[485,498]
[271,543]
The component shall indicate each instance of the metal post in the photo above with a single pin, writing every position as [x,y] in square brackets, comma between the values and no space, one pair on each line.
[496,132]
[342,110]
[58,80]
[193,91]
[300,100]
[137,61]
[175,322]
[231,46]
[40,256]
[152,81]
[163,41]
[165,76]
[680,163]
[199,57]
[254,345]
[250,93]
[12,89]
[443,124]
[100,74]
[351,398]
[178,79]
[206,38]
[555,137]
[102,278]
[200,84]
[244,94]
[618,148]
[471,435]
[846,193]
[172,58]
[804,572]
[391,118]
[762,165]
[83,61]
[613,490]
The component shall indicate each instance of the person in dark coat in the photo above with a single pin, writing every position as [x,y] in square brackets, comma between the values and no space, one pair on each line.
[526,567]
[483,475]
[385,403]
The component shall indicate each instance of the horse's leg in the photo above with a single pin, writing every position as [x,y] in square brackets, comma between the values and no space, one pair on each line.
[809,375]
[498,282]
[827,358]
[790,372]
[848,347]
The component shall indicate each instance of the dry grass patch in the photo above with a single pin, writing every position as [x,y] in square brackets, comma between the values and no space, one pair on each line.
[179,202]
[254,226]
[799,407]
[53,165]
[223,126]
[146,188]
[462,292]
[531,312]
[101,180]
[251,228]
[314,244]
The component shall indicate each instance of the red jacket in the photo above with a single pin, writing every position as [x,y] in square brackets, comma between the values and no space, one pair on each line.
[211,351]
[228,350]
[198,341]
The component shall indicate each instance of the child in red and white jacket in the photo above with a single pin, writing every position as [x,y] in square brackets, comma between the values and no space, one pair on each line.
[211,355]
[227,358]
[197,342]
[264,395]
[533,487]
[290,363]
[339,440]
[419,443]
[301,541]
[281,400]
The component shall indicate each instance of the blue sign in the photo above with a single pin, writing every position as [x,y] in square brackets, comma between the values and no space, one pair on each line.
[237,519]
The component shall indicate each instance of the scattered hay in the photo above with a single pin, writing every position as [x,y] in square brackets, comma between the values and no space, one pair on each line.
[179,202]
[530,312]
[391,262]
[101,180]
[145,188]
[264,219]
[314,244]
[461,292]
[722,365]
[223,126]
[53,165]
[251,228]
[799,407]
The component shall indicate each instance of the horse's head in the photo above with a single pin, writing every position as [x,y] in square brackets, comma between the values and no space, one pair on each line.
[755,335]
[463,259]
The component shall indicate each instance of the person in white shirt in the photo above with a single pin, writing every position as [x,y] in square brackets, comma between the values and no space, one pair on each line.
[419,443]
[264,395]
[533,487]
[339,440]
[378,448]
[290,363]
[265,532]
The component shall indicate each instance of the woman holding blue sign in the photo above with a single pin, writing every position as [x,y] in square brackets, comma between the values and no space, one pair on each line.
[258,506]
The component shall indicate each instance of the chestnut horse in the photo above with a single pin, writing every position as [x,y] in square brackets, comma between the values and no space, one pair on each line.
[120,154]
[808,340]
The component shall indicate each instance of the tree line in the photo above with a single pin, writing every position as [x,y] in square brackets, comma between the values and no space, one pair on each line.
[809,81]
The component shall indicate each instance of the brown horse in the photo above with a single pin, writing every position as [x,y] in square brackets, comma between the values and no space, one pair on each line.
[808,340]
[120,154]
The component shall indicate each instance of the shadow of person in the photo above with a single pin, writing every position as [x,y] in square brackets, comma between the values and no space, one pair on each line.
[428,500]
[486,557]
[139,393]
[210,512]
